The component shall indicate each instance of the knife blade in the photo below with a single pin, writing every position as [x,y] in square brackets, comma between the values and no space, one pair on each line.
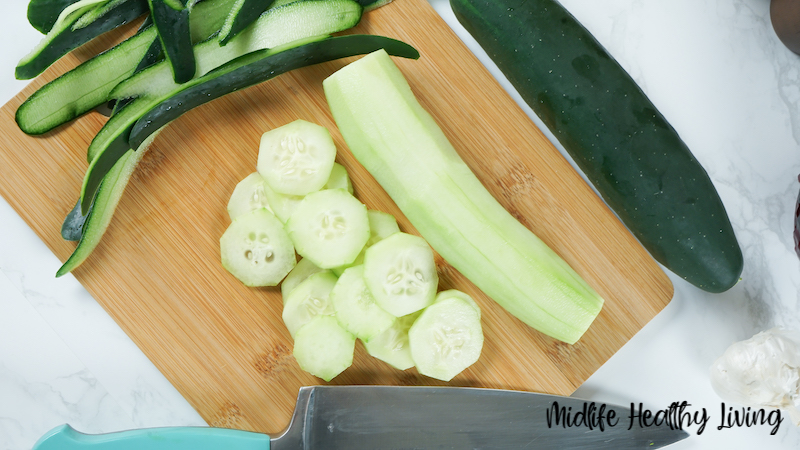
[394,418]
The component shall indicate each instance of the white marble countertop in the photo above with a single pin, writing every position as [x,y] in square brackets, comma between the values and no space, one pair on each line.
[714,68]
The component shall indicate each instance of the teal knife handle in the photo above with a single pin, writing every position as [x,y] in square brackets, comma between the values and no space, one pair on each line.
[169,438]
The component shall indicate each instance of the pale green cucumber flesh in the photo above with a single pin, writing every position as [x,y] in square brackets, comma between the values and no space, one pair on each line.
[296,158]
[339,179]
[381,226]
[455,293]
[401,145]
[245,13]
[401,273]
[355,307]
[256,249]
[248,195]
[102,209]
[304,269]
[392,346]
[323,348]
[309,299]
[446,339]
[329,227]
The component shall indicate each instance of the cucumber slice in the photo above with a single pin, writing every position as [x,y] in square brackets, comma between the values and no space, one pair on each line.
[296,158]
[248,195]
[381,226]
[446,338]
[283,205]
[339,179]
[323,348]
[355,307]
[256,250]
[399,143]
[329,227]
[309,299]
[304,269]
[455,293]
[391,346]
[401,273]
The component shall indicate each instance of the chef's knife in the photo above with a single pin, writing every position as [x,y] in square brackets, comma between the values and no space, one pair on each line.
[389,417]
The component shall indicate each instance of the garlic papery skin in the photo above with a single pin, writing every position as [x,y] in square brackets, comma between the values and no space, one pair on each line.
[763,371]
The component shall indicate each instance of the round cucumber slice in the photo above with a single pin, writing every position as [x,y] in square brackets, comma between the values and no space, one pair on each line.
[248,195]
[450,293]
[381,226]
[339,179]
[323,348]
[297,158]
[391,346]
[309,299]
[355,307]
[256,249]
[304,269]
[446,339]
[329,227]
[401,273]
[282,205]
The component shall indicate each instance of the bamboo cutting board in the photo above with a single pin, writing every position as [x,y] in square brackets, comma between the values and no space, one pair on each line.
[222,345]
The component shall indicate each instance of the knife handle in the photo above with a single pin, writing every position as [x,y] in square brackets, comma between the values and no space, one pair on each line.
[65,437]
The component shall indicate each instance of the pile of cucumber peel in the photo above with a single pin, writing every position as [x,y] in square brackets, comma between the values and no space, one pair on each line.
[183,55]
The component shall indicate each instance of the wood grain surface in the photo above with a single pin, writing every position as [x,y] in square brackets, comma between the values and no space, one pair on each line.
[223,346]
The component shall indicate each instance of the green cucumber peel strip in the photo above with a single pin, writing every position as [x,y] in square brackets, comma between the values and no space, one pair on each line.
[102,209]
[89,85]
[65,38]
[243,14]
[73,94]
[172,22]
[110,143]
[72,228]
[260,66]
[43,14]
[76,10]
[286,21]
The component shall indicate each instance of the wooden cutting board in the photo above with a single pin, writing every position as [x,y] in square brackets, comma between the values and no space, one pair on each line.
[222,345]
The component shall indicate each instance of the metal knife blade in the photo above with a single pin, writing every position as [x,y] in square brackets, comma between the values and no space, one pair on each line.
[394,418]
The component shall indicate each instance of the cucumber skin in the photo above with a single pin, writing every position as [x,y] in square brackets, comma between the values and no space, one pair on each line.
[175,38]
[42,14]
[69,39]
[626,148]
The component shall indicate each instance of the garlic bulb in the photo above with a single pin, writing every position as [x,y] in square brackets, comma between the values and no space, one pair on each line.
[763,371]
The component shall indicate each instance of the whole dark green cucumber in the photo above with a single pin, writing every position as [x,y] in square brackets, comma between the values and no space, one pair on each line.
[626,148]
